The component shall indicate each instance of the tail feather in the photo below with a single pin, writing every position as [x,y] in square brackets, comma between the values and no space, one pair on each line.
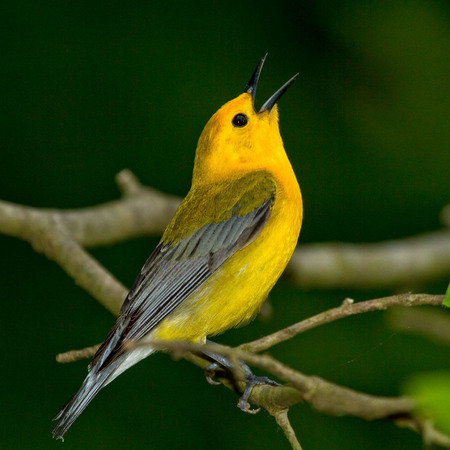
[99,375]
[97,378]
[74,407]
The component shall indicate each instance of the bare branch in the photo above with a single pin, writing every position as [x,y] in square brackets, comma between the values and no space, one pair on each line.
[283,421]
[429,323]
[142,211]
[87,272]
[76,355]
[405,262]
[145,211]
[430,435]
[324,396]
[345,310]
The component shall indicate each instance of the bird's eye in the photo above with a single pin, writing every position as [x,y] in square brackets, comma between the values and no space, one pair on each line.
[239,120]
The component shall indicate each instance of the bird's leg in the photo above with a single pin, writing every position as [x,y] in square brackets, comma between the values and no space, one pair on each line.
[221,362]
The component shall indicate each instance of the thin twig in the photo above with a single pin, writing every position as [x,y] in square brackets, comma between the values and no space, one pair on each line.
[431,436]
[76,355]
[345,310]
[340,312]
[283,421]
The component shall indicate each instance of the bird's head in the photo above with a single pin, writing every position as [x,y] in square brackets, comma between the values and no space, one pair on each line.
[238,139]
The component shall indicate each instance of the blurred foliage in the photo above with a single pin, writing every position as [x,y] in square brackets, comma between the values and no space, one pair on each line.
[89,88]
[432,393]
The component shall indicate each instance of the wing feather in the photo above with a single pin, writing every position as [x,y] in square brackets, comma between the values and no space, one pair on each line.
[180,264]
[176,276]
[174,271]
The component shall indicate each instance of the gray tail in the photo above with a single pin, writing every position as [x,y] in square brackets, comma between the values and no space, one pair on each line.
[109,362]
[75,406]
[101,373]
[102,370]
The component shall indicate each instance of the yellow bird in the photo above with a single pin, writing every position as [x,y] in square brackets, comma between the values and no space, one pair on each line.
[224,249]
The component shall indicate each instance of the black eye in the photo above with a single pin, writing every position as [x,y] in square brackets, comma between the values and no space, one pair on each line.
[239,120]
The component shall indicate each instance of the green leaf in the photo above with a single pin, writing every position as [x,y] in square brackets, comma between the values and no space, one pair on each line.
[431,390]
[447,297]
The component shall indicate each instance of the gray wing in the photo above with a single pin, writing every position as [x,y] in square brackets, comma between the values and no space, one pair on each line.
[172,273]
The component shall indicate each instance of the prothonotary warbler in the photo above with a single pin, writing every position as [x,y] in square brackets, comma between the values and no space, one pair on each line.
[224,249]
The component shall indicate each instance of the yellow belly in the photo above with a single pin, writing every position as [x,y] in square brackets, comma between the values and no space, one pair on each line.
[235,293]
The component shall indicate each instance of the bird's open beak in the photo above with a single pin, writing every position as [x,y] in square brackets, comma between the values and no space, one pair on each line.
[252,84]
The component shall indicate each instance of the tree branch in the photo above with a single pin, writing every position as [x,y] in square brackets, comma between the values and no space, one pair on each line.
[141,211]
[428,323]
[51,238]
[430,436]
[397,263]
[76,355]
[283,421]
[144,211]
[346,309]
[324,396]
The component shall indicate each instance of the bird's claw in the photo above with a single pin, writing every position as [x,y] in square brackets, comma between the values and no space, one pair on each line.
[252,380]
[244,406]
[210,372]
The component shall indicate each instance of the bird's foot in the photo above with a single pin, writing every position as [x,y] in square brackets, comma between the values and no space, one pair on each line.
[251,380]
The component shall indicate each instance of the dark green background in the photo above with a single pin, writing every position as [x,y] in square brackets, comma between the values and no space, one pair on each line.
[89,88]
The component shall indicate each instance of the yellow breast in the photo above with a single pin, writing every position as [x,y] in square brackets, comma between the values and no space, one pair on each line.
[235,293]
